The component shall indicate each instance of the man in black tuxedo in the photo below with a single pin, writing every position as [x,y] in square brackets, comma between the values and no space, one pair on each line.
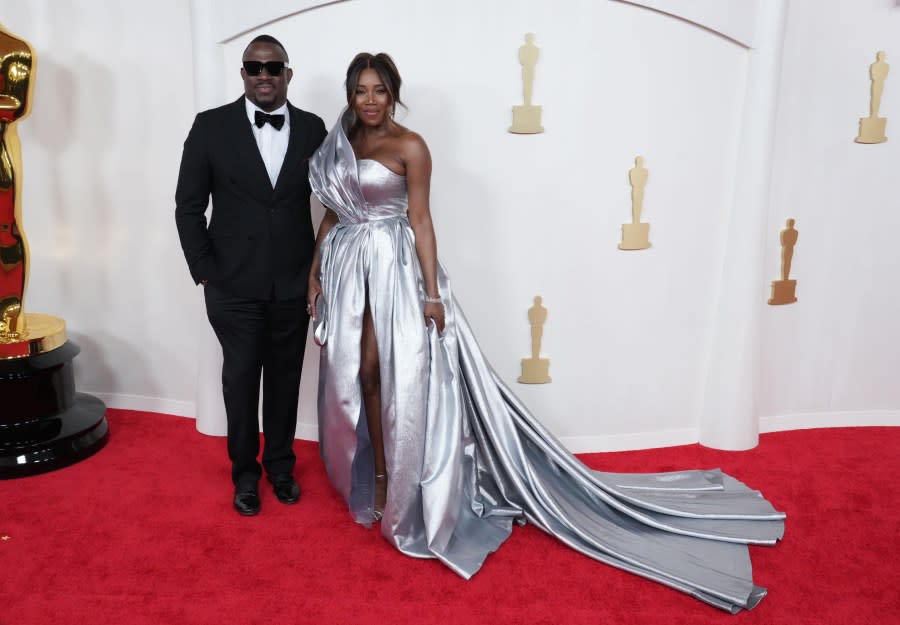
[253,259]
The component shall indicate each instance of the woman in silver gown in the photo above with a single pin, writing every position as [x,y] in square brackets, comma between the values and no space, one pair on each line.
[417,430]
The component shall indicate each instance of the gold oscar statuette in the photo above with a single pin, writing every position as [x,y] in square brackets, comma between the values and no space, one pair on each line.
[536,370]
[872,128]
[784,290]
[527,117]
[636,235]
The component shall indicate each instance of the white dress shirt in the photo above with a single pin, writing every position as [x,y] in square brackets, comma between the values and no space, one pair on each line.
[272,143]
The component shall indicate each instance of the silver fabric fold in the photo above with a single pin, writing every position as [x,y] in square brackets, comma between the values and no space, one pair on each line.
[465,458]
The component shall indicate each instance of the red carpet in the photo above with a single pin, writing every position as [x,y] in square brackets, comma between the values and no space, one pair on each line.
[144,532]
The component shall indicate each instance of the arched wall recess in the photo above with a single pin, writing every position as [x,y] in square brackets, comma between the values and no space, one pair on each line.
[729,417]
[736,19]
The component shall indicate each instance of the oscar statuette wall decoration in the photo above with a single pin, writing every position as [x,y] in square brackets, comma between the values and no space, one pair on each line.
[636,235]
[784,291]
[527,117]
[536,370]
[872,128]
[44,423]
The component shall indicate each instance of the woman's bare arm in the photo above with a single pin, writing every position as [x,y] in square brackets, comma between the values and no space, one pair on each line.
[418,183]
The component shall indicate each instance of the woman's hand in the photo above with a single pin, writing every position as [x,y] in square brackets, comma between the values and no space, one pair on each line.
[314,285]
[435,312]
[313,290]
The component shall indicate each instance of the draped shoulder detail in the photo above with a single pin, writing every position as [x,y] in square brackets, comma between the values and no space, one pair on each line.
[333,173]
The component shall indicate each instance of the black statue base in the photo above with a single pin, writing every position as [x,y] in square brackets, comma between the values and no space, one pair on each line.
[44,423]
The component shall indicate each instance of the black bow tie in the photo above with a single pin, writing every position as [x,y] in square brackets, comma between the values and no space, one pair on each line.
[277,121]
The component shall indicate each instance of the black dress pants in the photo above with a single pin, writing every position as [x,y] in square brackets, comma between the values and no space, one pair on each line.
[260,339]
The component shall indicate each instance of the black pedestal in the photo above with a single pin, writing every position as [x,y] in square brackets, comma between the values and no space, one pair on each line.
[44,423]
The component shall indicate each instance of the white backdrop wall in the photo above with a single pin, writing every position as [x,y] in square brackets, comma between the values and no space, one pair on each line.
[631,336]
[112,104]
[834,357]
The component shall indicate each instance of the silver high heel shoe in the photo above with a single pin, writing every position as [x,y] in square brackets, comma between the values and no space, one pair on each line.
[380,485]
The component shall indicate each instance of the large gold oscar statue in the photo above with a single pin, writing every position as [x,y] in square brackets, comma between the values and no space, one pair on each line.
[15,92]
[44,423]
[20,334]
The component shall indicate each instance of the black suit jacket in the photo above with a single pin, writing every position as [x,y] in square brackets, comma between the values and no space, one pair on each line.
[259,240]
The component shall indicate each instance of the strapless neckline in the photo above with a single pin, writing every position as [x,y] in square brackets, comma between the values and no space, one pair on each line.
[383,166]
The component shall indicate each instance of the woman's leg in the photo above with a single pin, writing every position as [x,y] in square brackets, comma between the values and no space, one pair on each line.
[370,380]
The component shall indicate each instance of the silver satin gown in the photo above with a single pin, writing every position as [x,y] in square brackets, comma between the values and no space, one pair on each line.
[465,458]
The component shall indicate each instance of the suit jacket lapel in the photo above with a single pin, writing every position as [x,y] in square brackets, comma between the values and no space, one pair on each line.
[247,153]
[292,156]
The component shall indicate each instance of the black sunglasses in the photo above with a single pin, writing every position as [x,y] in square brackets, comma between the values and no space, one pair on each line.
[273,68]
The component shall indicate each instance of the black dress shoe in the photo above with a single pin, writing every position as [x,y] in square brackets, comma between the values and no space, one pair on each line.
[286,488]
[246,502]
